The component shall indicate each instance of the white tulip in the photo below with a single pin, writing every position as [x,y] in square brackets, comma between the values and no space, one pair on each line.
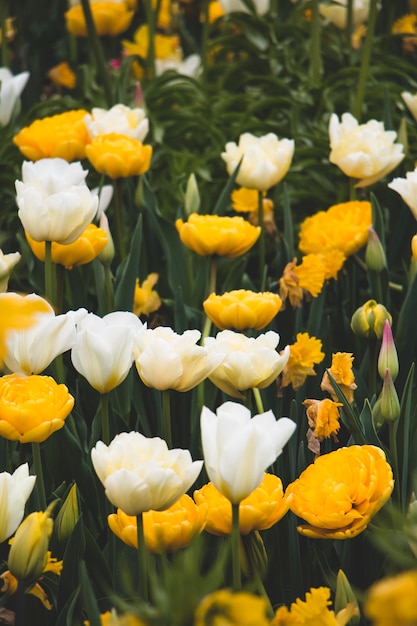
[167,360]
[10,89]
[411,102]
[248,363]
[261,6]
[103,348]
[238,449]
[119,119]
[265,162]
[7,263]
[364,151]
[140,474]
[15,489]
[407,188]
[336,12]
[54,202]
[55,333]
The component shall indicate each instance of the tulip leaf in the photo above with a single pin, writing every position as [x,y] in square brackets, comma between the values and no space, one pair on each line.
[406,335]
[97,565]
[224,199]
[69,579]
[66,615]
[89,599]
[406,428]
[125,282]
[367,421]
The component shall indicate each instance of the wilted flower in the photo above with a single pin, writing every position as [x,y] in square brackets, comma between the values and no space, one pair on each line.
[407,188]
[238,449]
[242,309]
[214,234]
[304,354]
[15,489]
[111,17]
[7,263]
[232,609]
[261,6]
[32,407]
[392,601]
[247,362]
[304,279]
[10,89]
[62,75]
[263,508]
[341,371]
[323,417]
[63,135]
[341,491]
[146,300]
[315,610]
[363,151]
[265,160]
[167,360]
[54,202]
[120,119]
[336,12]
[140,474]
[103,348]
[165,531]
[118,156]
[369,319]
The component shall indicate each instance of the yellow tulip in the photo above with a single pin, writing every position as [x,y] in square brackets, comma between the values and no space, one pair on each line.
[213,234]
[110,18]
[29,552]
[83,250]
[119,156]
[145,299]
[32,407]
[392,601]
[63,135]
[223,607]
[242,309]
[62,75]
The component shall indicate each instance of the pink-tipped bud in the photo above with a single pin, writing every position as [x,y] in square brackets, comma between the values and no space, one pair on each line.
[388,358]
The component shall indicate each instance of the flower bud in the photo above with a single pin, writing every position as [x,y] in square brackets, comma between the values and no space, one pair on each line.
[107,255]
[29,551]
[369,320]
[192,196]
[344,595]
[388,358]
[390,404]
[375,254]
[377,415]
[254,559]
[68,516]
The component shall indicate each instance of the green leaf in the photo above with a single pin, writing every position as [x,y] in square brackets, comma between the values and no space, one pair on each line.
[125,284]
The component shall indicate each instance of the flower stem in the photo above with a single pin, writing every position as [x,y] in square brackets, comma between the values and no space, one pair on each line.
[119,222]
[235,539]
[261,240]
[211,288]
[19,616]
[40,484]
[258,400]
[98,53]
[166,411]
[142,560]
[150,57]
[49,274]
[105,424]
[315,55]
[366,58]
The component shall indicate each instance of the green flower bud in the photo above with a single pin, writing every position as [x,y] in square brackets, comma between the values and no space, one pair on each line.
[68,516]
[369,320]
[375,254]
[192,196]
[345,596]
[390,404]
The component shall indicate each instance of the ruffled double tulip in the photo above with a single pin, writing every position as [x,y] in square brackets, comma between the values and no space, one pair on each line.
[367,152]
[232,609]
[214,234]
[54,202]
[120,119]
[265,160]
[247,363]
[263,508]
[10,89]
[165,531]
[141,474]
[15,489]
[340,492]
[85,249]
[32,407]
[55,333]
[103,348]
[407,189]
[110,17]
[63,135]
[166,360]
[392,601]
[118,156]
[237,448]
[242,309]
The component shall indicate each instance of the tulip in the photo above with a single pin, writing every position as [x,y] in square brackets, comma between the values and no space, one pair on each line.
[247,363]
[103,348]
[388,358]
[369,320]
[393,600]
[390,404]
[62,75]
[119,119]
[15,489]
[337,12]
[10,89]
[29,552]
[363,151]
[54,202]
[146,300]
[59,136]
[411,102]
[260,6]
[407,188]
[140,474]
[265,160]
[166,360]
[237,449]
[118,156]
[241,309]
[111,17]
[232,609]
[56,334]
[7,263]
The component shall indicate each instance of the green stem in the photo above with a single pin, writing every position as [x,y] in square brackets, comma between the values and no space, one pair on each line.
[261,240]
[393,457]
[19,616]
[166,412]
[258,400]
[366,59]
[40,483]
[108,287]
[60,288]
[373,366]
[142,560]
[315,69]
[100,61]
[105,422]
[352,190]
[150,56]
[4,49]
[118,215]
[49,274]
[210,289]
[235,541]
